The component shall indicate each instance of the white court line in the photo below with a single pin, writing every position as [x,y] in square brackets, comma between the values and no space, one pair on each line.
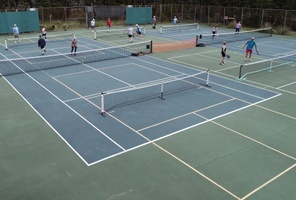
[180,116]
[292,83]
[268,182]
[227,75]
[174,156]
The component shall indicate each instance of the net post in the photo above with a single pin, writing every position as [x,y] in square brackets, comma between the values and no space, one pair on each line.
[160,30]
[240,72]
[208,78]
[102,104]
[95,34]
[151,46]
[270,66]
[6,45]
[161,91]
[196,40]
[197,26]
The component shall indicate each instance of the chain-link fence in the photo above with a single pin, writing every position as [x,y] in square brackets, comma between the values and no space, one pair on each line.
[281,20]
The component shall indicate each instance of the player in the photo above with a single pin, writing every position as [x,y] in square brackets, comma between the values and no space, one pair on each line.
[16,33]
[42,44]
[92,25]
[139,31]
[238,26]
[43,32]
[223,53]
[214,31]
[74,46]
[154,22]
[249,50]
[130,33]
[175,20]
[109,23]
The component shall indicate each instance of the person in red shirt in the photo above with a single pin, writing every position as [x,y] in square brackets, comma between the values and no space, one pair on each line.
[109,23]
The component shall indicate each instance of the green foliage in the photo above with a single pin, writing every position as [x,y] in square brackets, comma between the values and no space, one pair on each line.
[281,30]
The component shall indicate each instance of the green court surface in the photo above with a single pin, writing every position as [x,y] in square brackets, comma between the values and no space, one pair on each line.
[248,154]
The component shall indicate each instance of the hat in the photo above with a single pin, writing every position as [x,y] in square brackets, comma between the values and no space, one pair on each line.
[252,38]
[137,25]
[224,42]
[14,25]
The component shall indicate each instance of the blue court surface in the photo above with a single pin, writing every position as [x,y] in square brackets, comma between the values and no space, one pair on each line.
[69,100]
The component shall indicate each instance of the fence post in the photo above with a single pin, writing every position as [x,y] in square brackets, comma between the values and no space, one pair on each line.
[224,11]
[242,16]
[65,14]
[209,23]
[285,20]
[194,18]
[182,13]
[262,18]
[171,13]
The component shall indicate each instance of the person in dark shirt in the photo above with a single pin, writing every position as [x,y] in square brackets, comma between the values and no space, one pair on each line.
[42,44]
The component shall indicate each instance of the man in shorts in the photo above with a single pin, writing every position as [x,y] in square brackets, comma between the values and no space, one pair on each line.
[249,50]
[130,33]
[16,33]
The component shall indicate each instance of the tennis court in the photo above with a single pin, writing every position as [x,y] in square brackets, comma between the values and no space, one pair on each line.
[175,125]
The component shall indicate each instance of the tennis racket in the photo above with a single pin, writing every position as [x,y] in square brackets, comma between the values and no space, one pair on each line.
[257,52]
[227,56]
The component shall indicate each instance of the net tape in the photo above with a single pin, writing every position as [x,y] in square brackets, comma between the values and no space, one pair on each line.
[179,27]
[136,94]
[208,39]
[114,32]
[267,65]
[10,43]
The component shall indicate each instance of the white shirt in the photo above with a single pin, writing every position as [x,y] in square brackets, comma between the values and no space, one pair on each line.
[92,23]
[130,31]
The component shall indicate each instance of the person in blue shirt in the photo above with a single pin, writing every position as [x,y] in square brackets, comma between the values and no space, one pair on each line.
[249,50]
[139,31]
[16,33]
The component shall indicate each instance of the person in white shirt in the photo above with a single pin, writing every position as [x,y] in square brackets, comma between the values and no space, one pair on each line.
[43,32]
[175,20]
[92,25]
[130,33]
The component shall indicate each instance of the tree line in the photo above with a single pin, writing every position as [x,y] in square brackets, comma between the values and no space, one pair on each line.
[270,4]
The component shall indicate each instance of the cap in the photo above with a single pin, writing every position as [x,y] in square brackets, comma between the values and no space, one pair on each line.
[252,38]
[14,25]
[137,25]
[224,42]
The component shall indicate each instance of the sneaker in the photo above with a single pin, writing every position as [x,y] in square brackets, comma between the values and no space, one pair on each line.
[220,63]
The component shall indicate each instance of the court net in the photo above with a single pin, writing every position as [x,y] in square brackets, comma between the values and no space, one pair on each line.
[115,32]
[29,64]
[267,65]
[208,39]
[14,42]
[179,27]
[157,89]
